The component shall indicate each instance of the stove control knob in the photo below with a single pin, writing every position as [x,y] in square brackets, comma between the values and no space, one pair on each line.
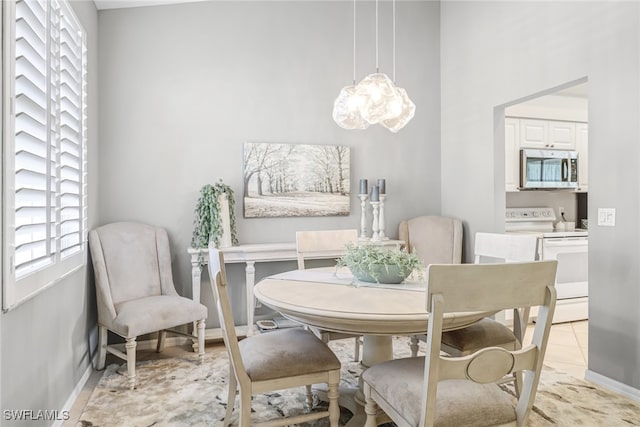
[535,214]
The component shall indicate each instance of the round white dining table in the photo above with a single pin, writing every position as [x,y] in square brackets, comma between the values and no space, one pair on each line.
[326,300]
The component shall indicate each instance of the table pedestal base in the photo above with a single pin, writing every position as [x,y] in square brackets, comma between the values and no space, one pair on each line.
[376,349]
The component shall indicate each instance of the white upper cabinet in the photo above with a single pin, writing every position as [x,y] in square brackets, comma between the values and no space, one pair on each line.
[546,135]
[582,146]
[511,154]
[562,135]
[534,133]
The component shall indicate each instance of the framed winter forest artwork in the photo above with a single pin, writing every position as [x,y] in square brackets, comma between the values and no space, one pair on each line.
[288,180]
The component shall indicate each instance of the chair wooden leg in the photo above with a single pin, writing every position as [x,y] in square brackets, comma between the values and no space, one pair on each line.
[333,394]
[231,398]
[370,407]
[245,409]
[162,335]
[201,345]
[413,345]
[131,361]
[518,382]
[356,352]
[102,347]
[309,396]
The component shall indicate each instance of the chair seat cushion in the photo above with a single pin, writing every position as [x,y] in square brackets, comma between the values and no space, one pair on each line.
[150,314]
[485,333]
[459,403]
[285,353]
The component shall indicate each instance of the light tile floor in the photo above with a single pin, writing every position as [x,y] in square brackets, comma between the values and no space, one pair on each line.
[566,351]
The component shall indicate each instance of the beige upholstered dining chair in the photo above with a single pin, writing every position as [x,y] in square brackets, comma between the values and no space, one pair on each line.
[273,360]
[436,240]
[135,291]
[454,391]
[494,247]
[488,332]
[328,244]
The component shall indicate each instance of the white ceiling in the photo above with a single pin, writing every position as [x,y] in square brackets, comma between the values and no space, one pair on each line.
[117,4]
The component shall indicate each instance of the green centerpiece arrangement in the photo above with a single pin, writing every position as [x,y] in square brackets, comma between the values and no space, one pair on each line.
[376,264]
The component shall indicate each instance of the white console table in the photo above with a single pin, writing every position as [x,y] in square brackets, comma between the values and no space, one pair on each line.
[250,254]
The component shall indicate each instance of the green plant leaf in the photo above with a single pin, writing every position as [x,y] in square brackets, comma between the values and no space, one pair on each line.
[372,259]
[207,224]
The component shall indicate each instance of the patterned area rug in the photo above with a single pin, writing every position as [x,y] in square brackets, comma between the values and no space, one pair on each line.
[177,391]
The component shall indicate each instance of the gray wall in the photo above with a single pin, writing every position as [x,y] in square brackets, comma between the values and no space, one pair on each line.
[494,53]
[44,342]
[183,87]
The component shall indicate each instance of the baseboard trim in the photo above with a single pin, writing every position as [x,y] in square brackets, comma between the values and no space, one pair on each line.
[71,400]
[613,385]
[150,344]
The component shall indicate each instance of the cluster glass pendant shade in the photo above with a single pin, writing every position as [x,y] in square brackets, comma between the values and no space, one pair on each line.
[407,110]
[376,99]
[346,109]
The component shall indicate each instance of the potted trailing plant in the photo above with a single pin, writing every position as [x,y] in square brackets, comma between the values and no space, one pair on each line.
[371,263]
[214,217]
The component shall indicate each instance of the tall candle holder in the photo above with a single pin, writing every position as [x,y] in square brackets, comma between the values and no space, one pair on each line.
[363,216]
[375,226]
[381,218]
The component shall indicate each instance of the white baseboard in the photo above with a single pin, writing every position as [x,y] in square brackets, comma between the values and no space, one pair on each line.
[74,394]
[613,385]
[93,345]
[152,343]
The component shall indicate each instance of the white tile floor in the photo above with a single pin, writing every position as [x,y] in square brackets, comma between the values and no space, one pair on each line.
[567,350]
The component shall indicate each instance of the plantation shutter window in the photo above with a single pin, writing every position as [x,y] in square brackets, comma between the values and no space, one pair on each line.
[44,143]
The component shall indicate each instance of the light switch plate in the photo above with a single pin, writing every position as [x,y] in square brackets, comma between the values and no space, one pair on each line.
[607,217]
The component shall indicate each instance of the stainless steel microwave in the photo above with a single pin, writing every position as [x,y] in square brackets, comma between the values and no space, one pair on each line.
[548,169]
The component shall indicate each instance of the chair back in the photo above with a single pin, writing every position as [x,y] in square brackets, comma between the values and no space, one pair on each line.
[488,287]
[496,247]
[218,281]
[323,244]
[505,247]
[435,239]
[131,260]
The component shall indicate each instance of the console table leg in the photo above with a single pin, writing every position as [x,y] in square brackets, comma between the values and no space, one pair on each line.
[250,280]
[196,276]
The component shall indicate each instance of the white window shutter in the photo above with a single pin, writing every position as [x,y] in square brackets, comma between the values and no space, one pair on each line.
[46,187]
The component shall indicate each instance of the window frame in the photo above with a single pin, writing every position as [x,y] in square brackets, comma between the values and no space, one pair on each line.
[16,290]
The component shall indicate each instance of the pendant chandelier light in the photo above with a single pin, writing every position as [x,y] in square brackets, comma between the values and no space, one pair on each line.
[376,99]
[346,108]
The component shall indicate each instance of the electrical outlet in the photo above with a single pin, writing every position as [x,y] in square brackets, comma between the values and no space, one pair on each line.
[561,210]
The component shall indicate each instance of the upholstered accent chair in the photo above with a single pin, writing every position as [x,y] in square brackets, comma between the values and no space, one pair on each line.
[436,240]
[328,244]
[275,360]
[135,291]
[443,390]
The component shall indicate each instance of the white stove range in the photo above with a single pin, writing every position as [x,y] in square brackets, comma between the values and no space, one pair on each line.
[569,247]
[538,221]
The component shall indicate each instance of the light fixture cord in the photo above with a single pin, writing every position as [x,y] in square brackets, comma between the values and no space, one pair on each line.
[394,41]
[354,42]
[377,68]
